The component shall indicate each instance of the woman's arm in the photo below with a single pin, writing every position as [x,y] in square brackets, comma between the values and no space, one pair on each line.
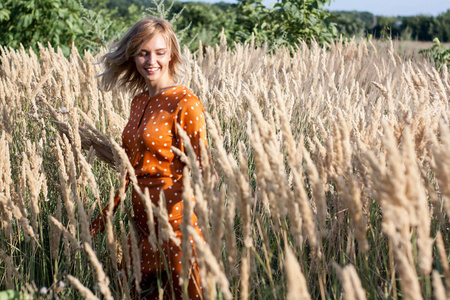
[103,152]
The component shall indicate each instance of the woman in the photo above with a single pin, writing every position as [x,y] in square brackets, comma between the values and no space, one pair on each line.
[147,60]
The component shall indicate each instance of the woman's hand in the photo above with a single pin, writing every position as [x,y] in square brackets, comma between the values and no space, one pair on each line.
[90,137]
[103,152]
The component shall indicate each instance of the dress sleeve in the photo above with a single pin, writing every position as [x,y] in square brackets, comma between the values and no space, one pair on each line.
[191,118]
[127,132]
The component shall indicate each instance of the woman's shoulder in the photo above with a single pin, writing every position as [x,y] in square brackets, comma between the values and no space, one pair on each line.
[180,90]
[141,95]
[187,96]
[139,98]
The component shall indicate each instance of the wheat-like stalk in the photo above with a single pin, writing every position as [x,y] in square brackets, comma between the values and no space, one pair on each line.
[84,291]
[102,279]
[317,157]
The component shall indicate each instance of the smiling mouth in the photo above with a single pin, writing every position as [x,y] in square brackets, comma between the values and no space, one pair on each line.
[151,70]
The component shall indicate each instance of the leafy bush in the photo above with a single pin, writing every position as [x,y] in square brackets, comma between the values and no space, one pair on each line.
[287,23]
[28,22]
[305,20]
[439,54]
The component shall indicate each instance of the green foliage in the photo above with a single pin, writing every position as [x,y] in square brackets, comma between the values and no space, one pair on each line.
[92,24]
[29,22]
[205,22]
[98,29]
[102,26]
[4,13]
[304,20]
[423,28]
[287,23]
[253,21]
[443,25]
[439,54]
[11,295]
[349,24]
[420,28]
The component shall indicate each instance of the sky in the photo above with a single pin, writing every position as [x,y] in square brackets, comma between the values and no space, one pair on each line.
[393,7]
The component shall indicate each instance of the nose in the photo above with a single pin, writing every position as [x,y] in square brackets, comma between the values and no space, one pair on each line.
[151,59]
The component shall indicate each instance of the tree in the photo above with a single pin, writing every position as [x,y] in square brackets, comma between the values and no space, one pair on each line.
[305,20]
[253,21]
[287,23]
[443,21]
[28,22]
[204,22]
[353,23]
[386,27]
[4,13]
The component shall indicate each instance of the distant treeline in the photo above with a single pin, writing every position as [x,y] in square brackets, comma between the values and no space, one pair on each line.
[90,24]
[418,28]
[349,23]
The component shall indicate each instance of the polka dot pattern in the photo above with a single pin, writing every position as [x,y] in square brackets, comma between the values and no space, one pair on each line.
[154,262]
[148,145]
[147,139]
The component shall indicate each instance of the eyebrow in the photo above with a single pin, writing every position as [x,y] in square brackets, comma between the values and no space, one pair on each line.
[159,49]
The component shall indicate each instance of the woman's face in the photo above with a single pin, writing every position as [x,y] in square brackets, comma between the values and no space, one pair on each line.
[152,62]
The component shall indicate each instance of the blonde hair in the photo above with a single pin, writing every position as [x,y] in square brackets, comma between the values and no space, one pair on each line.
[120,68]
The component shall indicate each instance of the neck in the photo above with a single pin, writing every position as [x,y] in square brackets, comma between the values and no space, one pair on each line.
[154,89]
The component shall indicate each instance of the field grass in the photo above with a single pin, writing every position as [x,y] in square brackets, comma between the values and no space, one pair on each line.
[409,48]
[333,168]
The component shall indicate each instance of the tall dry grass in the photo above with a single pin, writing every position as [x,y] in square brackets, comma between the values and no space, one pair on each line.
[333,169]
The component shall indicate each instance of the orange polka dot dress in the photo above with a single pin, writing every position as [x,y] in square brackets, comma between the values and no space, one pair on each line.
[147,139]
